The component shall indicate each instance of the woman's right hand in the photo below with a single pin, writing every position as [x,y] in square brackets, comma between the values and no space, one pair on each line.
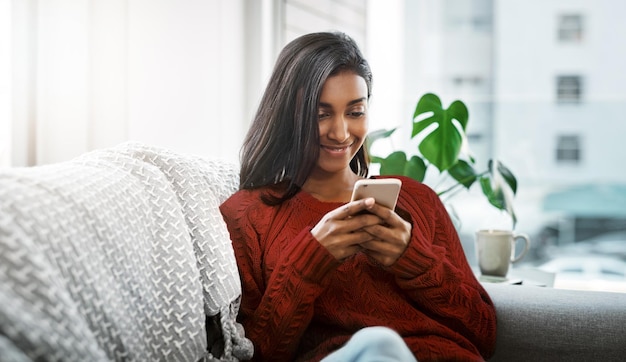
[341,230]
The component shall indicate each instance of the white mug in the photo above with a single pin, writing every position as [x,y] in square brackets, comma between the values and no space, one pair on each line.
[495,250]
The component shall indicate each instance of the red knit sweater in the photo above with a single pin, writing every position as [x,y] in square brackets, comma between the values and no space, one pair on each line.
[300,303]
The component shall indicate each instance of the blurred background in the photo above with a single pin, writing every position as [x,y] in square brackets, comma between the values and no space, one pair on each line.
[544,82]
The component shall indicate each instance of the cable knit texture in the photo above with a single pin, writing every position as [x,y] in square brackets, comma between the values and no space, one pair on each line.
[118,255]
[299,303]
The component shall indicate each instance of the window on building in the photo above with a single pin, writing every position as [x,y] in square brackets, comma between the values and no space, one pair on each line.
[465,81]
[568,149]
[472,15]
[475,137]
[569,88]
[570,28]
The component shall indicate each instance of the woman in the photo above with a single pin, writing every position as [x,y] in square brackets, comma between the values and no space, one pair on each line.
[322,279]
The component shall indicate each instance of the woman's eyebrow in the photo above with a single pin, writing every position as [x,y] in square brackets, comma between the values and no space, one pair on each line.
[355,101]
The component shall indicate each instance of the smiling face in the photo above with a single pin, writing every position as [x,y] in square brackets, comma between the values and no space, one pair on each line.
[342,117]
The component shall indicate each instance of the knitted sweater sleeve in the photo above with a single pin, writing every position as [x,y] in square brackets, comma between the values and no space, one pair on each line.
[275,313]
[435,274]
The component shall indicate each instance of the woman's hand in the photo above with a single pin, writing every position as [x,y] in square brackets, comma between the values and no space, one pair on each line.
[343,230]
[390,238]
[380,232]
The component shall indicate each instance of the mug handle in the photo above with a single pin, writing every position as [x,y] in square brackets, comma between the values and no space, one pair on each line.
[515,259]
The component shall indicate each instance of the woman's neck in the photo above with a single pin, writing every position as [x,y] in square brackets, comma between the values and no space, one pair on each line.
[331,188]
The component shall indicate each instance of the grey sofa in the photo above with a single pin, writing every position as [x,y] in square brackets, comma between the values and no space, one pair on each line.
[546,324]
[122,254]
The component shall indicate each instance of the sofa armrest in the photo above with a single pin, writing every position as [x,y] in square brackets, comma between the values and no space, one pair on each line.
[547,324]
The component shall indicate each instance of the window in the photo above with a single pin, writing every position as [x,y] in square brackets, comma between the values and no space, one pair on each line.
[570,28]
[568,88]
[475,137]
[568,149]
[467,81]
[473,15]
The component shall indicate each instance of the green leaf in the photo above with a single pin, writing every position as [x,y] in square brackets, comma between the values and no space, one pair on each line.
[463,173]
[497,196]
[415,169]
[394,164]
[441,147]
[397,164]
[505,173]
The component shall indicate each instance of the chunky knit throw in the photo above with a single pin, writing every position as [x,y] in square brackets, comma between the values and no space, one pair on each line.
[120,254]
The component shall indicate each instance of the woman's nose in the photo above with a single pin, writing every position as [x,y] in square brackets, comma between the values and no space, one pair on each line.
[339,130]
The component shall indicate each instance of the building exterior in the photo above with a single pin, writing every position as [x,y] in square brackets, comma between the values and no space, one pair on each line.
[564,98]
[544,84]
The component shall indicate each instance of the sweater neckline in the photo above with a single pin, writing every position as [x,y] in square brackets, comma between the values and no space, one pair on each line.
[315,204]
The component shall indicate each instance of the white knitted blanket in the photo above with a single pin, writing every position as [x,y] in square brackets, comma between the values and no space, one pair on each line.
[120,254]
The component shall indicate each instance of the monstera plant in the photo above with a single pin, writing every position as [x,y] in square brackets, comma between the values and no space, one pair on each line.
[442,145]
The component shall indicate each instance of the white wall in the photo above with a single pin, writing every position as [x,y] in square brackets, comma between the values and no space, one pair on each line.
[306,16]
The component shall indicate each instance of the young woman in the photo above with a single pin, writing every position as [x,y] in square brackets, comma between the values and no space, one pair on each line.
[321,279]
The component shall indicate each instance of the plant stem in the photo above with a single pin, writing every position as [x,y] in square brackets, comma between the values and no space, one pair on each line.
[460,183]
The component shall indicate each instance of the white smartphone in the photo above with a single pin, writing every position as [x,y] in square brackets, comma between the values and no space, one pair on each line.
[384,191]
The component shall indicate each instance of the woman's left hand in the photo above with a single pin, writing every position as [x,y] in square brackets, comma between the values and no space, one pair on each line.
[391,238]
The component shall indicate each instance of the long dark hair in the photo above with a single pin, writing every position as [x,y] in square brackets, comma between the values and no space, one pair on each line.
[282,144]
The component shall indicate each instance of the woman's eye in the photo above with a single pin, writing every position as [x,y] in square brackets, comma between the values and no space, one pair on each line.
[322,115]
[357,114]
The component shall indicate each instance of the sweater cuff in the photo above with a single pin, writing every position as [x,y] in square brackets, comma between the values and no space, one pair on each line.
[416,260]
[309,258]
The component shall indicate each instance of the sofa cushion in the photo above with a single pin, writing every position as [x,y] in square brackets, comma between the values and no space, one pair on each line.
[547,324]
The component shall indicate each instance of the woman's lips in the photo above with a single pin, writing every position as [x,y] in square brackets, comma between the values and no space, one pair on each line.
[336,149]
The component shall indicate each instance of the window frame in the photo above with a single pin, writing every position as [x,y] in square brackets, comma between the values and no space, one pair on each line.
[570,28]
[568,148]
[569,88]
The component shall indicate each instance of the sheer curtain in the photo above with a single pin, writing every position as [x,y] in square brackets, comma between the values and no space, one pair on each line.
[78,75]
[5,84]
